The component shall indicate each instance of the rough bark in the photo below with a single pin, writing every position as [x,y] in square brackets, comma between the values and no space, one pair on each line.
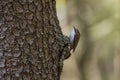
[32,46]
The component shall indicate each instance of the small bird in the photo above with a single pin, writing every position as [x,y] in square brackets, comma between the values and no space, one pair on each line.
[74,38]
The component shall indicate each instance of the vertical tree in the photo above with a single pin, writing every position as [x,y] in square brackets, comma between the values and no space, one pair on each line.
[31,41]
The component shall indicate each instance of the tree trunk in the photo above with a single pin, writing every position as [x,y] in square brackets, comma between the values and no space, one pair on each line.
[31,41]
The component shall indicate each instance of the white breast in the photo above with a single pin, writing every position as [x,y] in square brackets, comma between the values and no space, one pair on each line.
[71,36]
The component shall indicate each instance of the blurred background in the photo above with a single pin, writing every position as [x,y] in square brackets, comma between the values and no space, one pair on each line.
[97,56]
